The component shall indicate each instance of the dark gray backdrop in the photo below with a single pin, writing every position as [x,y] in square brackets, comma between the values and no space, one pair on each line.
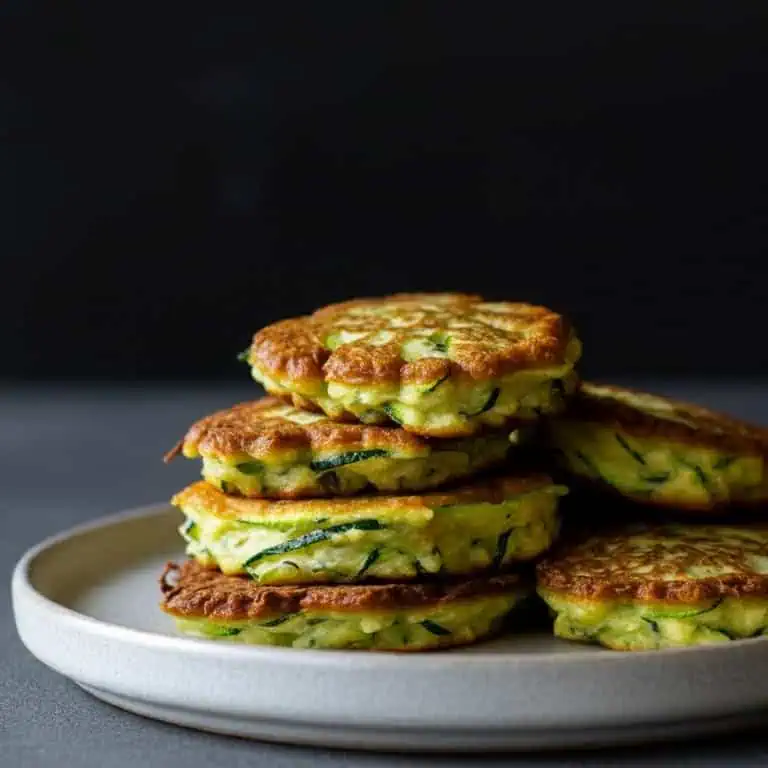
[174,180]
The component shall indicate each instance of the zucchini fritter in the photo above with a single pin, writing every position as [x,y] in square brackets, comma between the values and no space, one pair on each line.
[384,617]
[269,449]
[440,365]
[481,526]
[659,451]
[645,587]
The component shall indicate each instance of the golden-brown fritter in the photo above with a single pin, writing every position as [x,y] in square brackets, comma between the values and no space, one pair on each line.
[483,526]
[648,587]
[659,451]
[193,590]
[664,562]
[437,364]
[269,449]
[386,617]
[486,340]
[642,414]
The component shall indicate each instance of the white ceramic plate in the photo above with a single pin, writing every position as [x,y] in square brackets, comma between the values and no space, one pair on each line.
[86,605]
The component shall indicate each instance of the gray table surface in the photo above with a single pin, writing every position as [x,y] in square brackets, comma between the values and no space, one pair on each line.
[71,454]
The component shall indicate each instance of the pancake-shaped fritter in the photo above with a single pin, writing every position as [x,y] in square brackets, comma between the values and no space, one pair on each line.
[383,617]
[269,449]
[441,365]
[482,526]
[658,451]
[645,587]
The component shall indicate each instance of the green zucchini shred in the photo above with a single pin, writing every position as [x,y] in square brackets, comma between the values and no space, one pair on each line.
[491,400]
[590,465]
[636,455]
[701,475]
[660,477]
[685,614]
[724,462]
[225,631]
[435,628]
[653,625]
[390,409]
[440,340]
[322,534]
[489,403]
[437,383]
[343,459]
[501,549]
[373,556]
[276,622]
[244,356]
[191,531]
[249,467]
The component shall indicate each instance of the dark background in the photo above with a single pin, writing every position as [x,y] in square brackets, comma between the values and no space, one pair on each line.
[173,181]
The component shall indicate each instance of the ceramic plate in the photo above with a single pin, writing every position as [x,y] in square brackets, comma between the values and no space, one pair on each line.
[86,604]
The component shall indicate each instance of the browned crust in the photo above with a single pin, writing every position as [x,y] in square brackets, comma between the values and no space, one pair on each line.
[489,490]
[190,590]
[294,348]
[254,430]
[605,567]
[706,428]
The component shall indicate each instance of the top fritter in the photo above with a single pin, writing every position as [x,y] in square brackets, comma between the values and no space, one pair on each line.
[439,365]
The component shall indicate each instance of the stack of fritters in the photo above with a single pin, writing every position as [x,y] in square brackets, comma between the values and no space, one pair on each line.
[378,503]
[380,498]
[691,567]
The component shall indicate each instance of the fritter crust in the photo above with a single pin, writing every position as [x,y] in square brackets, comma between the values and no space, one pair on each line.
[653,563]
[647,415]
[190,590]
[261,429]
[487,340]
[491,490]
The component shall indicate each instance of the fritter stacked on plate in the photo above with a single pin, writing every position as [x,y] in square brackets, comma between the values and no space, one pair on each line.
[661,584]
[644,587]
[380,502]
[384,496]
[662,452]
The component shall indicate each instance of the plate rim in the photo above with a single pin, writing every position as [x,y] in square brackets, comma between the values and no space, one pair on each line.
[499,699]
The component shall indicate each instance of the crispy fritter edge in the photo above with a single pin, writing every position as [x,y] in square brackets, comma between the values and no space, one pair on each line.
[487,490]
[204,593]
[237,430]
[552,575]
[293,348]
[736,435]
